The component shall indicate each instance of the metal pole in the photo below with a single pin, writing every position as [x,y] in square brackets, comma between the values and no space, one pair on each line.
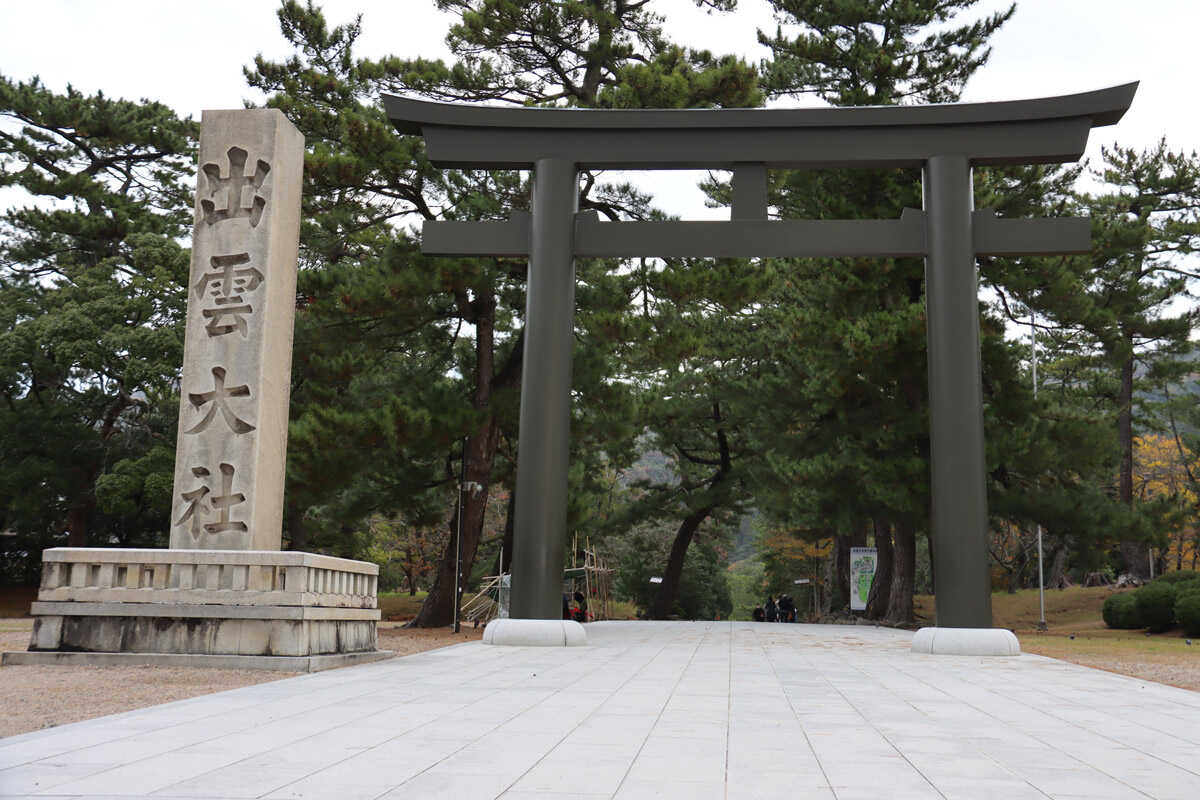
[543,450]
[958,487]
[1041,626]
[462,487]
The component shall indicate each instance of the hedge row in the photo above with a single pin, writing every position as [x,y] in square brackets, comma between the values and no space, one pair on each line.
[1178,576]
[1187,607]
[1169,599]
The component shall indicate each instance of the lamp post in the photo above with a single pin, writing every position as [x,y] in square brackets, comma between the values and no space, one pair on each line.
[1041,626]
[462,487]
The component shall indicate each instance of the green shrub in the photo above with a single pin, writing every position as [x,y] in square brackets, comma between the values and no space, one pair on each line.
[1184,587]
[1187,612]
[1120,611]
[1178,576]
[1156,605]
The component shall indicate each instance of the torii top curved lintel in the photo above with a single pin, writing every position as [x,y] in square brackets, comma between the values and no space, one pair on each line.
[1041,130]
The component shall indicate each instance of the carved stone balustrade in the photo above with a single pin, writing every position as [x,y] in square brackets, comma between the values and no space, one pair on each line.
[209,577]
[236,608]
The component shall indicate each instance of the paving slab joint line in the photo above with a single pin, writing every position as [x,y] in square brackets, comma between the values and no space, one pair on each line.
[1051,745]
[658,717]
[506,670]
[788,697]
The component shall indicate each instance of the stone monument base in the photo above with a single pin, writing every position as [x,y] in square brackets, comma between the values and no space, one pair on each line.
[966,642]
[230,608]
[535,633]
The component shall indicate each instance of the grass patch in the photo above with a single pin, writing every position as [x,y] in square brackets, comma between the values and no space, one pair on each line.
[1069,610]
[1116,644]
[400,605]
[621,609]
[1077,633]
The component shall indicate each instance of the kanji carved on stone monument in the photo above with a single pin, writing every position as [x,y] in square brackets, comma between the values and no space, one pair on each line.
[227,285]
[217,401]
[237,194]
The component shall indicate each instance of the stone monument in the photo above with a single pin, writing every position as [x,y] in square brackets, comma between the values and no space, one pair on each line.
[223,594]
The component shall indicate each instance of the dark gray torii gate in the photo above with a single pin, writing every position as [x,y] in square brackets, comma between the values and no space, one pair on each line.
[946,141]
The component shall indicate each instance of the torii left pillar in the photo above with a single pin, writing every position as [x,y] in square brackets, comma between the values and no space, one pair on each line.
[545,444]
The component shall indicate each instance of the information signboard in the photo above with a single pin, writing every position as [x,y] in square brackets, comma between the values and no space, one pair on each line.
[862,575]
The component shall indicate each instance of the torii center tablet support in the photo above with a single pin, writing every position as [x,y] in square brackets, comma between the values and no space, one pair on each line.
[945,141]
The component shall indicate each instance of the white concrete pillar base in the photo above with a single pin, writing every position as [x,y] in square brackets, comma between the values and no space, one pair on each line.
[966,642]
[535,633]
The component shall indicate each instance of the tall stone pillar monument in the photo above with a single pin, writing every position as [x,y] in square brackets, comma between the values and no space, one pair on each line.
[223,594]
[233,411]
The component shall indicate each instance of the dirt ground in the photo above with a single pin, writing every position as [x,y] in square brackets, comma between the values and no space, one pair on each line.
[32,698]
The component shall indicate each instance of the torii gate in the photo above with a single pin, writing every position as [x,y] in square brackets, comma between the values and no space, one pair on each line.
[945,141]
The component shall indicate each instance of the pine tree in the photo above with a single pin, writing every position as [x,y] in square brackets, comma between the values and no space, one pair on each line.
[92,296]
[694,351]
[362,178]
[1145,226]
[848,385]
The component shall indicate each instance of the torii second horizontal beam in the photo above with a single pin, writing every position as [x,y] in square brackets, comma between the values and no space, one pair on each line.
[905,237]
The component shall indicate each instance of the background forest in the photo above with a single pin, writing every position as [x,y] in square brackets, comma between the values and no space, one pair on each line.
[737,425]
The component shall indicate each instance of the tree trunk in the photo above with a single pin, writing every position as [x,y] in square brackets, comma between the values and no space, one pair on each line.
[668,590]
[77,522]
[841,571]
[438,608]
[881,588]
[826,604]
[1058,568]
[504,557]
[1133,552]
[79,516]
[297,532]
[904,568]
[932,574]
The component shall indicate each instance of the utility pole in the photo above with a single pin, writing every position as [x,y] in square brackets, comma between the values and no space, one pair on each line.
[458,581]
[1041,626]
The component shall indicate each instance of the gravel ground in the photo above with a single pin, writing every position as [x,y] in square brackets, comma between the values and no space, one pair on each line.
[32,698]
[1174,669]
[1185,676]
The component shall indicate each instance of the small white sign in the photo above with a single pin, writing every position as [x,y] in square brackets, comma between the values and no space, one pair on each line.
[799,581]
[656,579]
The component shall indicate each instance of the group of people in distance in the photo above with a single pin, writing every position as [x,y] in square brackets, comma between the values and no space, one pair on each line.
[579,612]
[783,611]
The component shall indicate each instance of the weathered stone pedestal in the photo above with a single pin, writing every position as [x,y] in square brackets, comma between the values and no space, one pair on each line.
[514,632]
[245,609]
[966,642]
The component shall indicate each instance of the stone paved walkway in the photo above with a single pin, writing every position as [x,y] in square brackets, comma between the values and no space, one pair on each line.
[678,710]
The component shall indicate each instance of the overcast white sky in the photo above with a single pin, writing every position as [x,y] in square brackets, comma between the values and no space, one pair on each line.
[190,55]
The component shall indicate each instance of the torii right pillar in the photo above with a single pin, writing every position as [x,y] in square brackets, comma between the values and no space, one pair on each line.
[958,484]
